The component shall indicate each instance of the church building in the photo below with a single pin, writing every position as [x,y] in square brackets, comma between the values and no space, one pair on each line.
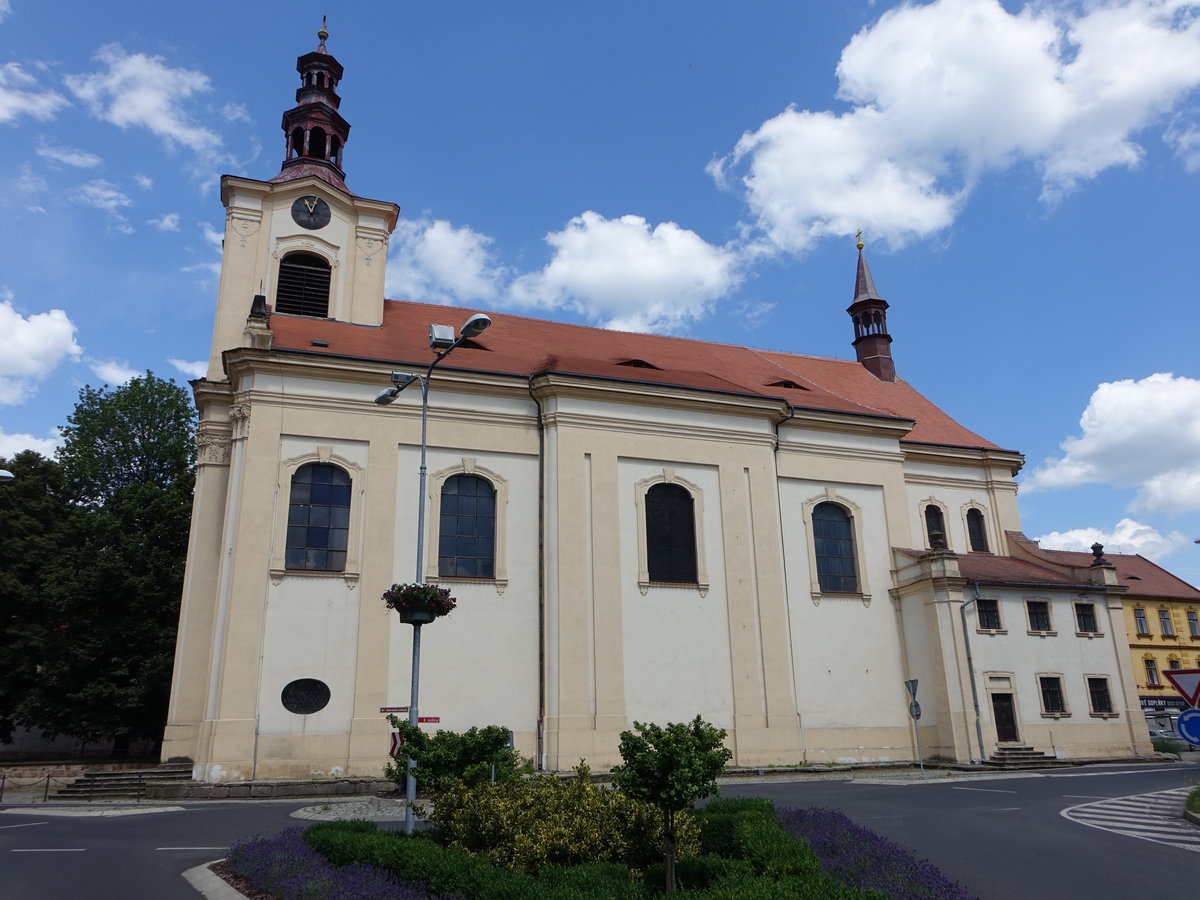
[635,527]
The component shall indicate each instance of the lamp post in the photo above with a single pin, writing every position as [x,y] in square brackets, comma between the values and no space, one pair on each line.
[443,342]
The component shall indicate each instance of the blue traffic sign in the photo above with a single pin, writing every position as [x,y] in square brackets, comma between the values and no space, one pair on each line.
[1189,726]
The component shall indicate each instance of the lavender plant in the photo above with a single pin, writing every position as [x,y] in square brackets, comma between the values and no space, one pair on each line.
[861,858]
[286,866]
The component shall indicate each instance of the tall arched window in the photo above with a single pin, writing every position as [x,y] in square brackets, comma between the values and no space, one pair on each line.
[670,534]
[467,530]
[303,285]
[833,543]
[318,518]
[976,532]
[935,527]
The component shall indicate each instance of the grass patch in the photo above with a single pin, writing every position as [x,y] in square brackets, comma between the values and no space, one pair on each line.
[1193,800]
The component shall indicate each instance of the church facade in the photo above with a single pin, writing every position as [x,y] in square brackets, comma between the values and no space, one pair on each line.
[635,527]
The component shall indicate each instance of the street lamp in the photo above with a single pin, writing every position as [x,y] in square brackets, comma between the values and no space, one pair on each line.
[6,475]
[441,340]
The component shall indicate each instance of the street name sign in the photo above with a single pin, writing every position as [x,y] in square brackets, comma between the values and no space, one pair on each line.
[393,709]
[1187,682]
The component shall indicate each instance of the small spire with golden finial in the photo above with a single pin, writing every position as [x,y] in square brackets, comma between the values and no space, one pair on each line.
[321,36]
[859,238]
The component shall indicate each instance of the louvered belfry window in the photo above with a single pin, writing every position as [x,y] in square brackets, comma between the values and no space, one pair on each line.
[303,286]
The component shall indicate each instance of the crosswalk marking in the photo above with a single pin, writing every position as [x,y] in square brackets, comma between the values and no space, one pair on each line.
[1154,817]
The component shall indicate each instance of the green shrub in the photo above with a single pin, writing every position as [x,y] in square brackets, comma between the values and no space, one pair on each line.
[544,821]
[472,756]
[719,823]
[1168,745]
[699,872]
[1193,800]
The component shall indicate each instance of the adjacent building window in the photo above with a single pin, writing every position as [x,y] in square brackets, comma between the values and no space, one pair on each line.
[989,613]
[1085,618]
[1039,614]
[670,534]
[1174,663]
[935,527]
[318,518]
[467,528]
[1099,696]
[833,543]
[1139,618]
[976,532]
[1053,702]
[1164,623]
[1152,673]
[303,287]
[1193,623]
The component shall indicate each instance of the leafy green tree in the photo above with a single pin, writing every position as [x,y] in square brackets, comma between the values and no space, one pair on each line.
[32,511]
[471,757]
[671,767]
[111,593]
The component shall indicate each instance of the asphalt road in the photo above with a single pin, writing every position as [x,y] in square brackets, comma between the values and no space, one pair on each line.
[1001,838]
[1005,838]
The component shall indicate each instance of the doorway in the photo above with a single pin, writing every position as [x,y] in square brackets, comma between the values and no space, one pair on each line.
[1006,718]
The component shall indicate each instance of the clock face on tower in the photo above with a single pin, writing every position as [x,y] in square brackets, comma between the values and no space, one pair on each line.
[310,212]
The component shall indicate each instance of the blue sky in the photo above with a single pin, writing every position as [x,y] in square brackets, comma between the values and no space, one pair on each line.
[1026,178]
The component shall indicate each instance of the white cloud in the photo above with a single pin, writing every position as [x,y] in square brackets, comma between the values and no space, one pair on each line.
[103,195]
[944,92]
[5,9]
[212,236]
[626,275]
[30,349]
[1143,434]
[1127,537]
[12,444]
[68,156]
[235,112]
[113,371]
[193,369]
[435,262]
[21,96]
[145,182]
[165,222]
[142,91]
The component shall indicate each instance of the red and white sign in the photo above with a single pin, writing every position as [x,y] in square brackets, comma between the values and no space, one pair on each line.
[397,743]
[429,719]
[1187,682]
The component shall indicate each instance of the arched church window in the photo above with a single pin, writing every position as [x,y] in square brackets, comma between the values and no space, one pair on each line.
[935,527]
[976,531]
[467,530]
[318,518]
[316,143]
[303,285]
[833,544]
[670,534]
[297,141]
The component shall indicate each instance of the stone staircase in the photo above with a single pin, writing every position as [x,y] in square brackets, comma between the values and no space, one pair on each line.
[1014,757]
[124,784]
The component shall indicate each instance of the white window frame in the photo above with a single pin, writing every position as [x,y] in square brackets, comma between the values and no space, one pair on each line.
[1193,618]
[469,465]
[864,587]
[983,629]
[640,489]
[1165,623]
[1095,617]
[1141,624]
[1150,667]
[283,492]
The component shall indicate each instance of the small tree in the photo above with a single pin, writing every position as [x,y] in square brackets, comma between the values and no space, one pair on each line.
[449,756]
[671,768]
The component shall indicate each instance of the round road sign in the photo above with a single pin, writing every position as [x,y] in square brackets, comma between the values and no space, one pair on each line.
[1189,726]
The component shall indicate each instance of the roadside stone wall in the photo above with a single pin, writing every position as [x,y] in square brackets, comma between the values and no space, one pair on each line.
[262,790]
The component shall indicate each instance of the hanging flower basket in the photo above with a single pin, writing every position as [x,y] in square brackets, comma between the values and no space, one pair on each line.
[419,604]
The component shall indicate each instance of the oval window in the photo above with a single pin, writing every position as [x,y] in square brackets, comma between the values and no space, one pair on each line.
[305,696]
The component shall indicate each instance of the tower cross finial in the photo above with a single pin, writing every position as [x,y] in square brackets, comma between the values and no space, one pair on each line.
[858,237]
[322,34]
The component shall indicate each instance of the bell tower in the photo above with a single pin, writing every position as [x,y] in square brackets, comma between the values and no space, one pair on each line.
[872,342]
[314,131]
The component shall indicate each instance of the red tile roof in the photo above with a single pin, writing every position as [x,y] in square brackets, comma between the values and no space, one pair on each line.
[1143,577]
[1007,570]
[524,346]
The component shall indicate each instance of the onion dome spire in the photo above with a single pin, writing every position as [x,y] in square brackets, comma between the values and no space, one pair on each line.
[314,131]
[868,311]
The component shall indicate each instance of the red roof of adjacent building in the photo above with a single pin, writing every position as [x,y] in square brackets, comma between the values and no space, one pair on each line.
[1143,577]
[522,346]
